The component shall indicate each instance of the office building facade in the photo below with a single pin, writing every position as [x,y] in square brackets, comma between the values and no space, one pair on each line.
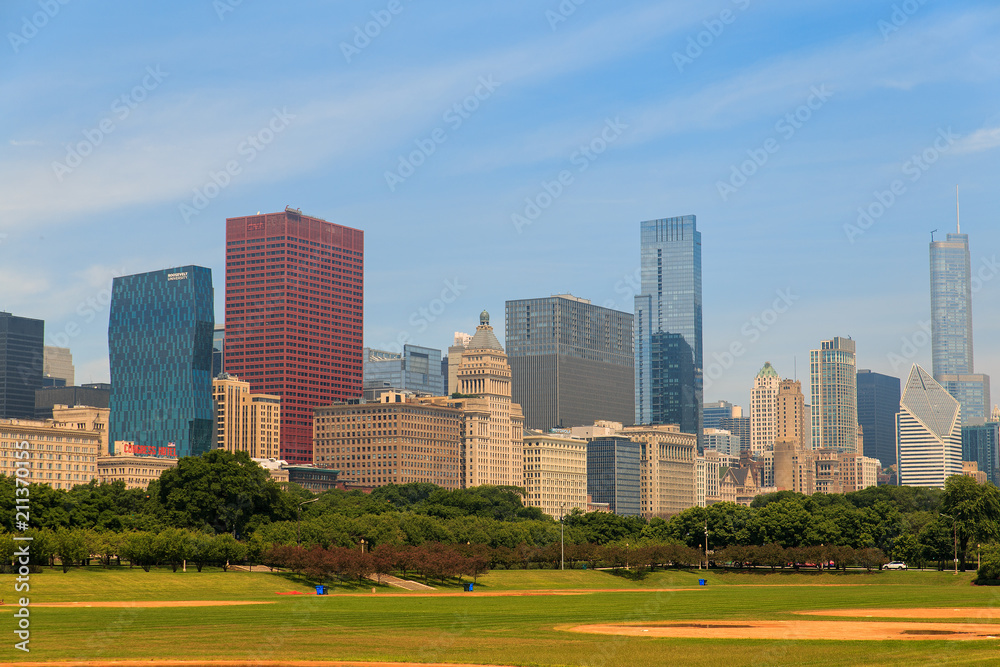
[712,413]
[246,422]
[91,395]
[613,474]
[981,444]
[59,456]
[951,328]
[294,315]
[394,440]
[878,403]
[160,351]
[833,376]
[571,361]
[58,366]
[416,369]
[764,409]
[928,432]
[555,472]
[493,424]
[668,325]
[21,365]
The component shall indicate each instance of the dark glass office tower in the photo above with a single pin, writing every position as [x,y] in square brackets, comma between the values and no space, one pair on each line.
[160,348]
[982,445]
[878,403]
[218,350]
[22,345]
[951,328]
[668,330]
[570,361]
[613,474]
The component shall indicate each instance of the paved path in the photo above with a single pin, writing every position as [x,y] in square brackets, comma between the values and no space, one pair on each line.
[401,583]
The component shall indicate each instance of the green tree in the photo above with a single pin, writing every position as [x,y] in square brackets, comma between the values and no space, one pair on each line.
[228,551]
[975,510]
[218,489]
[71,546]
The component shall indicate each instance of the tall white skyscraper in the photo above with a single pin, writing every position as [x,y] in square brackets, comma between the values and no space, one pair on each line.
[928,432]
[834,379]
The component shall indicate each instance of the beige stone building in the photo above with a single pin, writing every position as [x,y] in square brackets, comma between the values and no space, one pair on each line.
[57,362]
[395,440]
[59,456]
[245,422]
[136,471]
[84,418]
[971,469]
[667,472]
[764,409]
[790,422]
[493,425]
[857,472]
[455,359]
[555,472]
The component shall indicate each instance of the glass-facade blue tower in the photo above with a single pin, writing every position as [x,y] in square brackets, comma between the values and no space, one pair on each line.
[160,349]
[878,404]
[613,474]
[668,326]
[951,328]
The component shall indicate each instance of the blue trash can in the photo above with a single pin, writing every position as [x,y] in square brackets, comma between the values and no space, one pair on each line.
[320,589]
[702,582]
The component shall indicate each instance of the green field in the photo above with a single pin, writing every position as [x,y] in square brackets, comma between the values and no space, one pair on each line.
[475,628]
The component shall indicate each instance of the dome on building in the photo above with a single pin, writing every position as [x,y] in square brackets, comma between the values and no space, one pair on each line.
[484,339]
[484,318]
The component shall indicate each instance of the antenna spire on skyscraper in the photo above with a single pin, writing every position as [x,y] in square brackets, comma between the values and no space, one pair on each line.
[958,222]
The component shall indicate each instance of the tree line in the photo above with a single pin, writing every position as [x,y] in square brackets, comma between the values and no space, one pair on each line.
[222,494]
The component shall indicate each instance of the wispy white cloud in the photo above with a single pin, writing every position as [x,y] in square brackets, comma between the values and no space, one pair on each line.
[983,139]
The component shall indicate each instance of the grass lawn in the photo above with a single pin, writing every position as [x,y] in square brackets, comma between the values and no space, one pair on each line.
[519,630]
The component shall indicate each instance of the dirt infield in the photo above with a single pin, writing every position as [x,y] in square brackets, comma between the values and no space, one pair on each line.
[244,663]
[794,630]
[482,593]
[928,612]
[151,603]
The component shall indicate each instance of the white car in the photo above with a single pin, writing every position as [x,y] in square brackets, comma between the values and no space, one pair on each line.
[894,565]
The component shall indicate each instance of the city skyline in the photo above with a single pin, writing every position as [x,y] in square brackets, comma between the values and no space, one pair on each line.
[912,103]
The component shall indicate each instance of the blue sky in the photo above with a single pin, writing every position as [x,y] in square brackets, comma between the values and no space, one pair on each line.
[773,122]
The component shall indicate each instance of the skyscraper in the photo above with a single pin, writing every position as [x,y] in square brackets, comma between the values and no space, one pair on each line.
[58,367]
[878,403]
[951,327]
[493,425]
[613,465]
[294,315]
[160,349]
[833,375]
[571,361]
[928,432]
[416,369]
[982,444]
[668,325]
[21,363]
[713,412]
[764,409]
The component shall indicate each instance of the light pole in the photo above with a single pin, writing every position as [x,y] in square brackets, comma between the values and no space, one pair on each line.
[954,526]
[298,521]
[562,538]
[706,544]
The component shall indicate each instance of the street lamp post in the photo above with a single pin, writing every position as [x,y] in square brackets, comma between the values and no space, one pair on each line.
[298,521]
[706,544]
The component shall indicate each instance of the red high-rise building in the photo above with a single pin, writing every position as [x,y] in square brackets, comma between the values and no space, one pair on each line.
[294,315]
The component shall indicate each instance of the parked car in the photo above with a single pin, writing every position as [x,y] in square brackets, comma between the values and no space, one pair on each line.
[894,565]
